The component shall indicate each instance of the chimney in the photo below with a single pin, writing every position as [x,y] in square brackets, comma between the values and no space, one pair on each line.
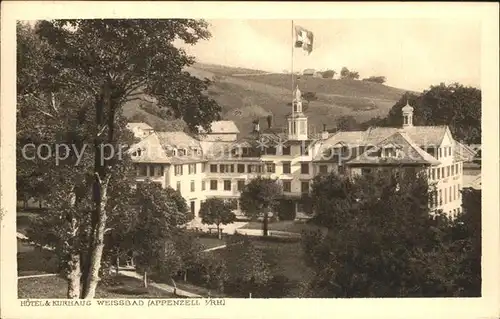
[269,121]
[324,133]
[256,126]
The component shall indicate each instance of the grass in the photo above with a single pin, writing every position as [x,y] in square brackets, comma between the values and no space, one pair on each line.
[31,261]
[287,225]
[56,287]
[211,242]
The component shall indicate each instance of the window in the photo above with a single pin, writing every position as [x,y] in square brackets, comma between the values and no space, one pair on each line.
[241,168]
[192,168]
[213,185]
[433,173]
[144,170]
[271,150]
[454,192]
[450,195]
[241,185]
[192,186]
[440,153]
[323,169]
[178,170]
[447,171]
[202,185]
[304,150]
[255,168]
[227,185]
[181,152]
[226,168]
[438,173]
[446,195]
[270,168]
[442,172]
[456,168]
[304,168]
[440,197]
[304,187]
[449,150]
[213,168]
[367,171]
[286,168]
[203,167]
[341,169]
[286,150]
[452,170]
[179,186]
[287,186]
[159,170]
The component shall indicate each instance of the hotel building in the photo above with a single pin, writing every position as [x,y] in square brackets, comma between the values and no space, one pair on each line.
[219,164]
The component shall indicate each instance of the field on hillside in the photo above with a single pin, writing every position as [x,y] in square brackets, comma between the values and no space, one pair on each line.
[246,94]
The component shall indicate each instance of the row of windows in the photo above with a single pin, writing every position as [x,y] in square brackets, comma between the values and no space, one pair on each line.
[445,196]
[178,169]
[445,171]
[256,168]
[149,170]
[240,184]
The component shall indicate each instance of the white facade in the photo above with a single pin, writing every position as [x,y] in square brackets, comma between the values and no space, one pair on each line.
[217,172]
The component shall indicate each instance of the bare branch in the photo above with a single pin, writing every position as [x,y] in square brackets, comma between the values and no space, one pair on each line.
[102,130]
[53,99]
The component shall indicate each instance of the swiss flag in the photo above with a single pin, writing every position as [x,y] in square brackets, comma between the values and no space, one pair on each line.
[304,39]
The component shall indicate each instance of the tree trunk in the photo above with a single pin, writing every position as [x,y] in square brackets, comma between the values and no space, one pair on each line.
[185,275]
[145,279]
[218,232]
[265,223]
[74,276]
[117,261]
[40,203]
[90,283]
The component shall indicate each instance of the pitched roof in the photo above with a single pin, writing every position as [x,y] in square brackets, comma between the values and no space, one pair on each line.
[463,152]
[139,125]
[222,127]
[408,152]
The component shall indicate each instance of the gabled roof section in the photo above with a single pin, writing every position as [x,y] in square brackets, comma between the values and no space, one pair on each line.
[151,151]
[222,127]
[421,135]
[408,153]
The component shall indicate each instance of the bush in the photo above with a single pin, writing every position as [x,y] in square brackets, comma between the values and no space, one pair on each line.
[286,210]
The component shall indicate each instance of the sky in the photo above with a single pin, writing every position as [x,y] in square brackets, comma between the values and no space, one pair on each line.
[411,53]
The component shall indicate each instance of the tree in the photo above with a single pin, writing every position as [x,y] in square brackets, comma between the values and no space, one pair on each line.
[104,64]
[353,75]
[157,216]
[347,123]
[454,105]
[246,268]
[344,73]
[376,79]
[381,240]
[216,211]
[259,197]
[328,74]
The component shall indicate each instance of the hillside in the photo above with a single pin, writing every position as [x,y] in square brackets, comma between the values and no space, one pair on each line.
[245,94]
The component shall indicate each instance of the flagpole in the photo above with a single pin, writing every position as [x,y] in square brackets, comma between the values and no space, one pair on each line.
[292,74]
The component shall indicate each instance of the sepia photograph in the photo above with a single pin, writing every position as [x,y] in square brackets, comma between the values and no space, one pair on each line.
[191,161]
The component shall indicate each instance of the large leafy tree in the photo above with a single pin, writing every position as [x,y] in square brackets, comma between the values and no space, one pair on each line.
[455,105]
[86,70]
[259,197]
[381,240]
[216,211]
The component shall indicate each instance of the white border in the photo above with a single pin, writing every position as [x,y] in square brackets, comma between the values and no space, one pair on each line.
[486,307]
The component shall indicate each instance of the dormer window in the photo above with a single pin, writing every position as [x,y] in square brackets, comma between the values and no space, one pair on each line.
[137,152]
[174,152]
[389,151]
[181,152]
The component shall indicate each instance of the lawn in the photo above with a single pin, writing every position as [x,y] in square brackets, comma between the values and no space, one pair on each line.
[33,261]
[286,225]
[211,242]
[285,259]
[56,287]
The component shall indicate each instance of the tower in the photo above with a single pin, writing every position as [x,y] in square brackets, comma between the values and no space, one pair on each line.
[297,121]
[407,115]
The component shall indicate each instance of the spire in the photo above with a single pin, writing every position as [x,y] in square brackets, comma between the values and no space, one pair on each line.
[407,114]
